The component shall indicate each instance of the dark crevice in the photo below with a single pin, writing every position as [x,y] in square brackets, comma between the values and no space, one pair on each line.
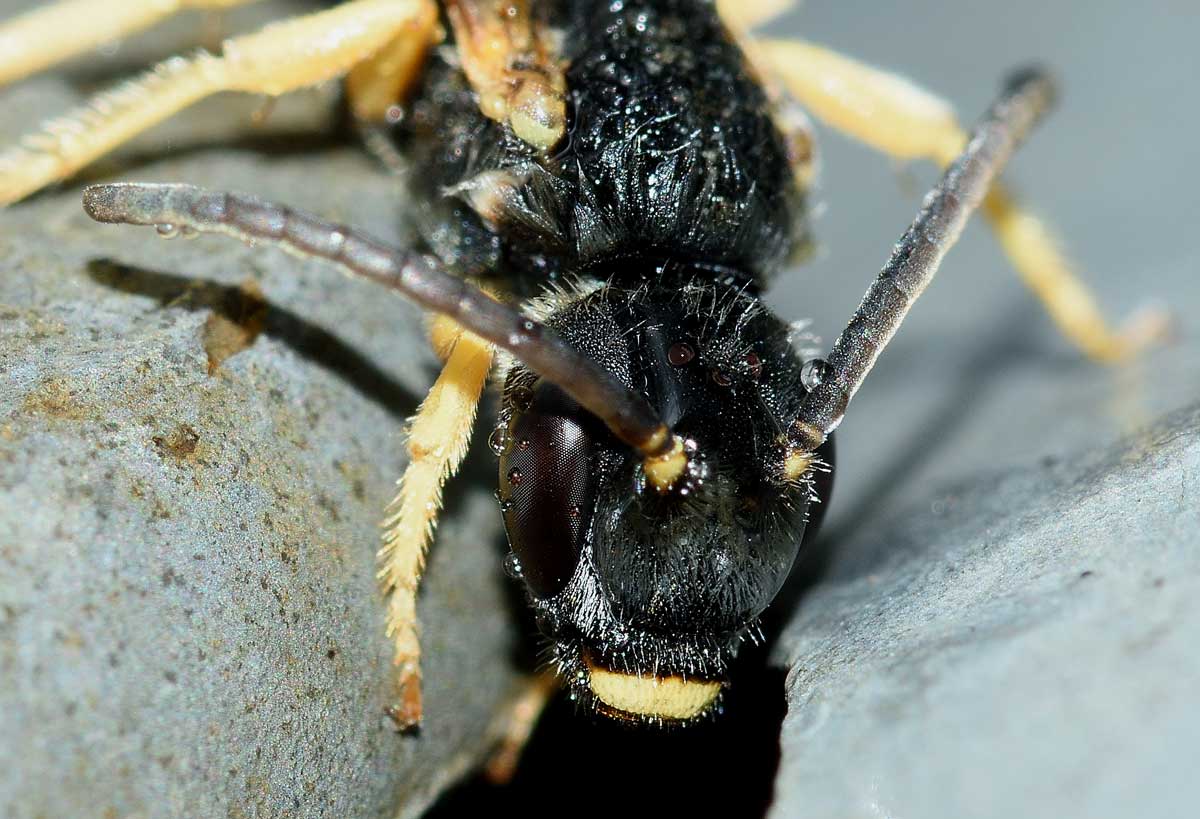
[577,764]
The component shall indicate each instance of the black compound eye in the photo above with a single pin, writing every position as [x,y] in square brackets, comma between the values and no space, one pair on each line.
[547,487]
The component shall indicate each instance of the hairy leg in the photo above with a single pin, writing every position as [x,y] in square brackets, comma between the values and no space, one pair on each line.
[515,726]
[280,58]
[897,117]
[377,85]
[438,438]
[745,15]
[46,36]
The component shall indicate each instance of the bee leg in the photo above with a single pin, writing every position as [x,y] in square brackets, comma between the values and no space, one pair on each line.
[915,259]
[510,60]
[515,725]
[743,16]
[897,117]
[282,57]
[441,430]
[46,36]
[378,85]
[438,438]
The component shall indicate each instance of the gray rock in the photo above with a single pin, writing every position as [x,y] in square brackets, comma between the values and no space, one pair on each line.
[1022,646]
[949,656]
[197,440]
[1000,619]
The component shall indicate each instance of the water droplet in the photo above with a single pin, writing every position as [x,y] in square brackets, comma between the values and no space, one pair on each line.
[721,379]
[167,231]
[755,365]
[506,506]
[512,566]
[814,373]
[680,353]
[574,511]
[498,440]
[515,477]
[523,444]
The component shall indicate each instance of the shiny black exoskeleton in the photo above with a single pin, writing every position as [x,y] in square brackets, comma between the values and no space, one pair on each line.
[645,581]
[645,240]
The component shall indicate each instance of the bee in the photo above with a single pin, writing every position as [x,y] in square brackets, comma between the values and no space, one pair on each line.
[608,190]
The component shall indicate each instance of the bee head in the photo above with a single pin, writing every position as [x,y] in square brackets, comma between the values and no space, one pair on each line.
[646,590]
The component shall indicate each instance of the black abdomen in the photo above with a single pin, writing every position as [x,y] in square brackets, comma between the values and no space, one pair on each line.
[671,153]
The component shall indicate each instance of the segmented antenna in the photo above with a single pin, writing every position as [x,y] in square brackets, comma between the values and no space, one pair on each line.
[1026,97]
[187,208]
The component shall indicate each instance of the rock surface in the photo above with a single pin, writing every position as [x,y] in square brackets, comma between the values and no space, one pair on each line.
[1001,618]
[197,440]
[1024,645]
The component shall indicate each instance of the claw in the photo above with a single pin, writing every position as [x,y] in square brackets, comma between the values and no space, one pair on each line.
[406,712]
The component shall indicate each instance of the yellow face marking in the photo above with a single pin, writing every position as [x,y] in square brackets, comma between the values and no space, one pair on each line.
[663,470]
[797,462]
[671,697]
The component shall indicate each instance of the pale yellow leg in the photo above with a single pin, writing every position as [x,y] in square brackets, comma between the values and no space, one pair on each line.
[744,15]
[895,116]
[46,36]
[510,60]
[376,86]
[437,442]
[514,726]
[281,57]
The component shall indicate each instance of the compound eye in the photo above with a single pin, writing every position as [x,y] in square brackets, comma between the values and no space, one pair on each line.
[547,487]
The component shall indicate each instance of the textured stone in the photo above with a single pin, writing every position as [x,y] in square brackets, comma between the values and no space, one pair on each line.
[1000,619]
[197,440]
[1023,645]
[949,653]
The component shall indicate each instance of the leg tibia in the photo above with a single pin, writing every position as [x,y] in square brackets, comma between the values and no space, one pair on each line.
[438,441]
[56,32]
[897,117]
[886,111]
[515,725]
[510,61]
[1034,253]
[280,58]
[376,85]
[742,15]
